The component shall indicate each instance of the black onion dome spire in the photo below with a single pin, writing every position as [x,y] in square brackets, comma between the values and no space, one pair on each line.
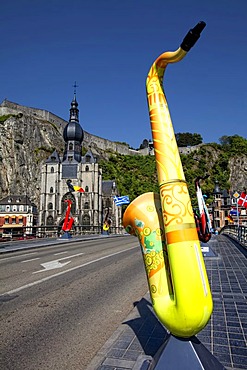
[73,130]
[73,134]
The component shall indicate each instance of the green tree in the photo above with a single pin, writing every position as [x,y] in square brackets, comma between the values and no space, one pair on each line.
[188,139]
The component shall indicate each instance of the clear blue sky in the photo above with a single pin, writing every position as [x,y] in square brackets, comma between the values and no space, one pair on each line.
[108,46]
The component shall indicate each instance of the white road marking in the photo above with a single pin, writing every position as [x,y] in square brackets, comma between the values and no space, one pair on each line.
[32,259]
[64,272]
[73,255]
[51,266]
[57,254]
[55,264]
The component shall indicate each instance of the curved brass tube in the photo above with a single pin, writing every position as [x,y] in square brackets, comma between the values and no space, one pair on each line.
[165,223]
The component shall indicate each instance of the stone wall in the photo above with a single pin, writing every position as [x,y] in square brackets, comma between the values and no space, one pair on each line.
[90,140]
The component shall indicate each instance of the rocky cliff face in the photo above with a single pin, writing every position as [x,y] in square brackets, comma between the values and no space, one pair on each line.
[26,142]
[238,172]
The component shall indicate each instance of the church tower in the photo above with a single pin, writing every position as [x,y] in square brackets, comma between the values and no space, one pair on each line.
[71,167]
[73,135]
[88,208]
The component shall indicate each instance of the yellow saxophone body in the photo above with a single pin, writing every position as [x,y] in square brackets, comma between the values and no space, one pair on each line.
[164,223]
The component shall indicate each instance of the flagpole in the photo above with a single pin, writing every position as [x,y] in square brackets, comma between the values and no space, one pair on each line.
[237,214]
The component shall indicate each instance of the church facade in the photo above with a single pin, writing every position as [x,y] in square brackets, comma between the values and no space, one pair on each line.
[90,206]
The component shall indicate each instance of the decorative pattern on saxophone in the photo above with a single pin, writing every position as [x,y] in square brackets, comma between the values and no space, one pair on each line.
[165,223]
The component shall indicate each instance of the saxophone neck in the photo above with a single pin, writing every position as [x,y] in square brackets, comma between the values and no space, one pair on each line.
[188,42]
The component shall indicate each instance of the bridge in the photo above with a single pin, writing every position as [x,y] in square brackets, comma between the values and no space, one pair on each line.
[138,338]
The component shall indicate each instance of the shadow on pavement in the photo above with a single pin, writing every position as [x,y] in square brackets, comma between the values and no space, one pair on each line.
[150,333]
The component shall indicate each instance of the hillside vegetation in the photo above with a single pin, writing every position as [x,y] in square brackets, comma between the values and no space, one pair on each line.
[137,174]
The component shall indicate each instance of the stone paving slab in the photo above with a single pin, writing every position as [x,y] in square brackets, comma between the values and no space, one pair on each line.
[134,344]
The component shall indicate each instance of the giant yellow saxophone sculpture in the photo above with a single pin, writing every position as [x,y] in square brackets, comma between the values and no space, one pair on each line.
[165,223]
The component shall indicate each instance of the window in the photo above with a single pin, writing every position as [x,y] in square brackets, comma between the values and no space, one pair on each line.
[51,189]
[52,169]
[50,220]
[86,222]
[70,158]
[64,204]
[108,203]
[88,158]
[14,208]
[70,146]
[87,168]
[86,189]
[86,205]
[50,205]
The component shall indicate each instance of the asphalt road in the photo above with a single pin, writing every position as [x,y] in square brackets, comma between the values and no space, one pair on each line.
[60,304]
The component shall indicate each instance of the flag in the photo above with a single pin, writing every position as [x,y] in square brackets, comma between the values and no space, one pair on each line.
[234,212]
[242,200]
[78,188]
[121,200]
[73,188]
[229,217]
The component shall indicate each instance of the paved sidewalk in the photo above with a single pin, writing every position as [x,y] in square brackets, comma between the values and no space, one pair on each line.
[141,334]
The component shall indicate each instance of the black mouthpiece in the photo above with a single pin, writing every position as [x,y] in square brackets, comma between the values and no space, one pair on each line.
[192,36]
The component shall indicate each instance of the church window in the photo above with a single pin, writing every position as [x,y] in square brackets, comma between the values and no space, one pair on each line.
[70,146]
[50,220]
[52,169]
[86,189]
[51,189]
[87,168]
[86,222]
[108,203]
[50,205]
[86,205]
[14,208]
[64,204]
[7,208]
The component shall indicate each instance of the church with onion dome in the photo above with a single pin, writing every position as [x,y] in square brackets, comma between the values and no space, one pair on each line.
[60,174]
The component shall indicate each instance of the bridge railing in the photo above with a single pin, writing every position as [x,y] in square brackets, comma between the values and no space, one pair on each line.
[54,231]
[238,233]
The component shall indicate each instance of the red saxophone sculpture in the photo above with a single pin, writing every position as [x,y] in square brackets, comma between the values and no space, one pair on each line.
[68,221]
[202,220]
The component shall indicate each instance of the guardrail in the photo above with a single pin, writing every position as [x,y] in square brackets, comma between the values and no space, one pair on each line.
[238,233]
[50,231]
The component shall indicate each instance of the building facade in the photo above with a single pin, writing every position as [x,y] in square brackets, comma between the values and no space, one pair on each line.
[58,174]
[18,217]
[224,210]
